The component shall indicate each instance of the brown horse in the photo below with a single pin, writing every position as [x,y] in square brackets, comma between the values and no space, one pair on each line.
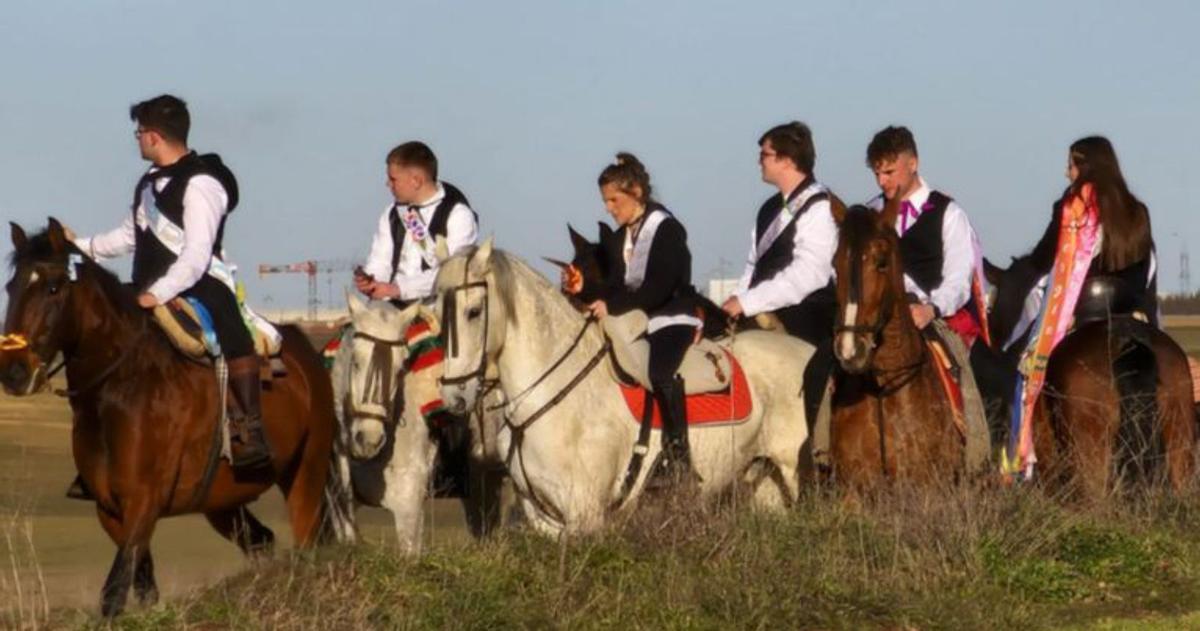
[1117,402]
[145,418]
[892,420]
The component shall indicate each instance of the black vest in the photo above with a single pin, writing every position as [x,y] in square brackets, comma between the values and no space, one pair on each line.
[436,227]
[779,254]
[152,257]
[921,250]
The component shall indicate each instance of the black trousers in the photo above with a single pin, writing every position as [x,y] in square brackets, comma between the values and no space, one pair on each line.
[222,305]
[668,345]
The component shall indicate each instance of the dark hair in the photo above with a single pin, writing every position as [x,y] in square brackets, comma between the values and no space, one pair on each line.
[166,114]
[889,143]
[627,173]
[415,153]
[1124,219]
[793,141]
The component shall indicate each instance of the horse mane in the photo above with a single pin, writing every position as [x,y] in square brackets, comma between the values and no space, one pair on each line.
[39,249]
[507,270]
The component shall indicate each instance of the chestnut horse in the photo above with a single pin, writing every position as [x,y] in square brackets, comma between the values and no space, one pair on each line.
[1117,403]
[892,419]
[146,418]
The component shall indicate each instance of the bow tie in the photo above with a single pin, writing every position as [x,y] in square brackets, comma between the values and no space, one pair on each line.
[907,210]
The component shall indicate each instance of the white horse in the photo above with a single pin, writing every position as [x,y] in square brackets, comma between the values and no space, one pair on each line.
[568,436]
[394,452]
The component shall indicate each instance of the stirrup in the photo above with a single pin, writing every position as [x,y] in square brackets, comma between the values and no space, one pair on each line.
[672,473]
[248,446]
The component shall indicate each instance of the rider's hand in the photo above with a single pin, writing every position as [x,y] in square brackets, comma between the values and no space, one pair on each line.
[922,314]
[733,307]
[384,291]
[146,300]
[598,308]
[571,280]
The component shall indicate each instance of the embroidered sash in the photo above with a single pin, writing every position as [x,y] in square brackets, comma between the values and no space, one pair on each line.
[785,218]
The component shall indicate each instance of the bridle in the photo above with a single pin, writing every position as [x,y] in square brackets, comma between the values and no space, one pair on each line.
[379,380]
[450,325]
[874,330]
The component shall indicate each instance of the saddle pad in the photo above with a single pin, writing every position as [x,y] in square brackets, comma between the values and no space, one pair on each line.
[727,407]
[189,327]
[942,363]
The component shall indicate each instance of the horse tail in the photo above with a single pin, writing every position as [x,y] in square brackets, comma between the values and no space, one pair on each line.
[1140,447]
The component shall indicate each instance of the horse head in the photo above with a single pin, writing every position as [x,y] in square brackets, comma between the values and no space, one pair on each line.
[870,287]
[590,265]
[41,297]
[474,320]
[381,348]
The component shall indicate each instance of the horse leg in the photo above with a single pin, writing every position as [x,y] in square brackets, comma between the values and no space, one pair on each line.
[145,589]
[305,490]
[1178,431]
[406,485]
[131,532]
[240,526]
[482,505]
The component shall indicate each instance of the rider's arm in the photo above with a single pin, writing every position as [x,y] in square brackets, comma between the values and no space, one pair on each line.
[1042,256]
[958,262]
[115,242]
[461,231]
[665,271]
[204,204]
[811,267]
[379,261]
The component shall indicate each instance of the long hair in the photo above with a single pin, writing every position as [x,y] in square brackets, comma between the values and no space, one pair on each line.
[1124,219]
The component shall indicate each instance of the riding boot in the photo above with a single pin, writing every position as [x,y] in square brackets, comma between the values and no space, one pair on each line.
[79,491]
[674,469]
[248,443]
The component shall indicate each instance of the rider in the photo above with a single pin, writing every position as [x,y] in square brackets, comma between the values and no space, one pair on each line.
[1098,237]
[175,231]
[653,273]
[941,258]
[789,270]
[403,264]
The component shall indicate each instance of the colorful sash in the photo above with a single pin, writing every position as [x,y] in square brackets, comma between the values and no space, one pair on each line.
[1078,237]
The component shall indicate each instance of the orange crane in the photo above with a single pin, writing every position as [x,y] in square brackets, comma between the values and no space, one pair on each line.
[311,269]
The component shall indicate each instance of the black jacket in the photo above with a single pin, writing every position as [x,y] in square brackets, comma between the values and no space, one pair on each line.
[667,287]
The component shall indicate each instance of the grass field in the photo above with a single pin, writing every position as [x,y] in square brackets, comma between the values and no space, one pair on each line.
[55,558]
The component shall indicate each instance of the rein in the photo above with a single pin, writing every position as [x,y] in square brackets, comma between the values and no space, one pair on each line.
[104,374]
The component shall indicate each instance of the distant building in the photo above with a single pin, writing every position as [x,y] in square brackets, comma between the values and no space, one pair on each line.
[721,288]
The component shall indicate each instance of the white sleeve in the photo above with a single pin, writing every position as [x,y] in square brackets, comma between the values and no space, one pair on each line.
[810,269]
[461,231]
[204,204]
[116,242]
[958,262]
[748,273]
[379,261]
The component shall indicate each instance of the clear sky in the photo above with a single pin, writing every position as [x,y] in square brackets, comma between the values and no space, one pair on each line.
[525,102]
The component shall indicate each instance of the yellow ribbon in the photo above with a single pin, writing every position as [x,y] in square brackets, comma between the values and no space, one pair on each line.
[13,342]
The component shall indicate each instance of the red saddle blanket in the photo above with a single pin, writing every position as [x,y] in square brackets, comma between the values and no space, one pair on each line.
[729,406]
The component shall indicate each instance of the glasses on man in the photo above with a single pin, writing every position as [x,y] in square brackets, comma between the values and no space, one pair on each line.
[137,133]
[763,155]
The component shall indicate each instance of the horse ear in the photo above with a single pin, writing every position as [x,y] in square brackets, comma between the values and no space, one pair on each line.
[430,318]
[58,238]
[578,241]
[482,261]
[887,218]
[355,304]
[606,232]
[838,209]
[992,272]
[19,239]
[555,262]
[441,249]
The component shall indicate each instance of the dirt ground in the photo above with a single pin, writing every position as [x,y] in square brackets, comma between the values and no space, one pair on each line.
[49,540]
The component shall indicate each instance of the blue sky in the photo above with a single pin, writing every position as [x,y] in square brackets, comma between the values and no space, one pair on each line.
[525,102]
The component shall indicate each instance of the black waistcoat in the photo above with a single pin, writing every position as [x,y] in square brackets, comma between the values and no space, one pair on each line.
[151,257]
[921,247]
[436,227]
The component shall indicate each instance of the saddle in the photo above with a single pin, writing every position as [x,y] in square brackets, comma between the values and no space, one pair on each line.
[1103,297]
[189,326]
[706,366]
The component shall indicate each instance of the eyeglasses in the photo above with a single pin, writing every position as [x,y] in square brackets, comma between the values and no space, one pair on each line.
[137,133]
[763,155]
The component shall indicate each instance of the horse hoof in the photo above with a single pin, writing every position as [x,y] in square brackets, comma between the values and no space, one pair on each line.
[148,597]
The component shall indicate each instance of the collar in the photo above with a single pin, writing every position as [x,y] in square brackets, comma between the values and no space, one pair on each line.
[438,196]
[808,181]
[921,195]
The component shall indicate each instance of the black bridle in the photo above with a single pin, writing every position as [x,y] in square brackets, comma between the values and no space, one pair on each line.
[450,322]
[875,330]
[379,380]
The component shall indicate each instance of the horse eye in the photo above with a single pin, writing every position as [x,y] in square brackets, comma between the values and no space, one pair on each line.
[53,288]
[474,312]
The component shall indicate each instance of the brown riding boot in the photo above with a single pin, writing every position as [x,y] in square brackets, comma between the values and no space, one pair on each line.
[247,441]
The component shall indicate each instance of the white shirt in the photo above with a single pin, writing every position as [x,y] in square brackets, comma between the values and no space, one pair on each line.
[814,242]
[416,283]
[204,204]
[958,253]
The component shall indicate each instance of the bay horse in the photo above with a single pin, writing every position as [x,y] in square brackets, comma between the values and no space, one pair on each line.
[1117,404]
[892,418]
[568,434]
[145,419]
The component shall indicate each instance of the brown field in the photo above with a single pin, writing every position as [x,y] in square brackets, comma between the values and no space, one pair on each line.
[54,548]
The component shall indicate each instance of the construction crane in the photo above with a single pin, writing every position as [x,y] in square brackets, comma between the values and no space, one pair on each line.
[311,269]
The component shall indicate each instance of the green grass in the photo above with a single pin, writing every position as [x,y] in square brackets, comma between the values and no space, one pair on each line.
[1001,558]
